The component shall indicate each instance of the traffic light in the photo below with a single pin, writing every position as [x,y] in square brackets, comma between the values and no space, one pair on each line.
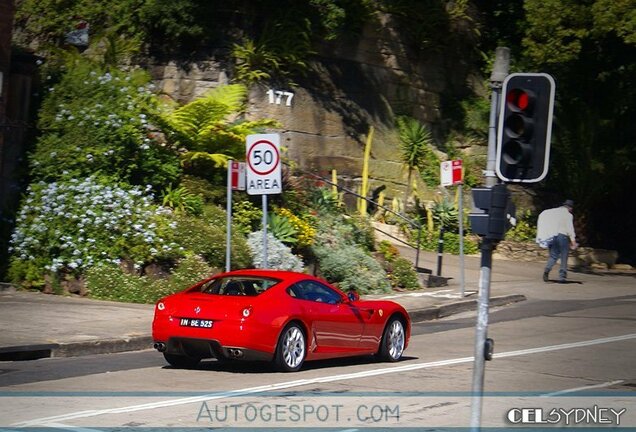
[493,213]
[525,127]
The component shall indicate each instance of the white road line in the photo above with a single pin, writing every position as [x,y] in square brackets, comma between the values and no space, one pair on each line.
[298,383]
[584,388]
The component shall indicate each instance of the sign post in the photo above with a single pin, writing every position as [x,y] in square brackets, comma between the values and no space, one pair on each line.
[263,173]
[451,173]
[235,181]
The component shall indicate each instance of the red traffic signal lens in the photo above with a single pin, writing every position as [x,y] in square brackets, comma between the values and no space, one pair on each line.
[518,100]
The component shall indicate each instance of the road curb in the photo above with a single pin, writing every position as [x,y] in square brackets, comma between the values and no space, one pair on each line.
[75,349]
[436,312]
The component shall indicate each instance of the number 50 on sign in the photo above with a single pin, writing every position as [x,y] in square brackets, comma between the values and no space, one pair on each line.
[263,164]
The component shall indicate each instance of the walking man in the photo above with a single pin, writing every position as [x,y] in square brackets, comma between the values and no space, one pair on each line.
[555,230]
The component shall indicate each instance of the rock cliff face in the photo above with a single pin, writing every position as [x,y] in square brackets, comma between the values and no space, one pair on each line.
[352,86]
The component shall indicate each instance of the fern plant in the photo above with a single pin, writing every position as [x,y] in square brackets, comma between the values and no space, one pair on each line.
[210,129]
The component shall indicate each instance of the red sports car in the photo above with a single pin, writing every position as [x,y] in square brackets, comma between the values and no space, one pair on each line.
[278,316]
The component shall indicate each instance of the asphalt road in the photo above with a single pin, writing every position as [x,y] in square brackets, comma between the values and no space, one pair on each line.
[575,344]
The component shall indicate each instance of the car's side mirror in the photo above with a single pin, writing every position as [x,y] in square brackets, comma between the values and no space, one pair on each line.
[353,296]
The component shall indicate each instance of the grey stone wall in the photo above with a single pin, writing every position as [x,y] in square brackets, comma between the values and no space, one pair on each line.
[352,87]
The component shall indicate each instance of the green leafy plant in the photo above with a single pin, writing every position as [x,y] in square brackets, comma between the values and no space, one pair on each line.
[109,282]
[182,201]
[445,214]
[351,267]
[205,236]
[101,121]
[246,216]
[209,129]
[415,139]
[281,228]
[524,230]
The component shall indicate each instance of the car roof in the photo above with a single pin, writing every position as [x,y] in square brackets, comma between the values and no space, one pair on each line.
[276,274]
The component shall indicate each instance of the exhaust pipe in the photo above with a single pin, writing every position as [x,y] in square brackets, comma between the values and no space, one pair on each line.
[236,353]
[160,346]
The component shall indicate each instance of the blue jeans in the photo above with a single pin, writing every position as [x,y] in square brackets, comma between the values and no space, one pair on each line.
[559,249]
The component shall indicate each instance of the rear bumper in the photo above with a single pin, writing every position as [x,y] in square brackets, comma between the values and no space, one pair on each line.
[211,348]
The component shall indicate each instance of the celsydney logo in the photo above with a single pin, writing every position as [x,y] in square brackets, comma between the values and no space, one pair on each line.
[571,416]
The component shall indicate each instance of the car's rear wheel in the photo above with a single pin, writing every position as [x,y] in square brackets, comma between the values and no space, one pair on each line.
[393,340]
[181,361]
[291,349]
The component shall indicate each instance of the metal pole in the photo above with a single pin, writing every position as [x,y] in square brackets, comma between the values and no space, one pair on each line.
[440,250]
[419,243]
[481,333]
[265,263]
[228,229]
[499,73]
[461,239]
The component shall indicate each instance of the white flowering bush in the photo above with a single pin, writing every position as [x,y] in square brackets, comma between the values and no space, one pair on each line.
[279,256]
[73,225]
[106,121]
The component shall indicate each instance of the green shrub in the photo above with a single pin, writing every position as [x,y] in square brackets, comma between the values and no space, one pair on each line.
[429,241]
[247,217]
[97,120]
[350,267]
[205,236]
[403,275]
[400,270]
[110,282]
[182,201]
[524,230]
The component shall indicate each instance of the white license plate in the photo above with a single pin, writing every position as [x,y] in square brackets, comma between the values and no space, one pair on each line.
[195,322]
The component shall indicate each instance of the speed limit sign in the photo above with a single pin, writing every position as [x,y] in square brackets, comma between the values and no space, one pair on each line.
[263,164]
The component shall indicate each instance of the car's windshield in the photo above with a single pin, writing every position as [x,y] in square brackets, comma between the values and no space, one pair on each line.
[238,285]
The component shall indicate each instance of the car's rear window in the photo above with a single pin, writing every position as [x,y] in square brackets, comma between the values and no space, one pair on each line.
[238,285]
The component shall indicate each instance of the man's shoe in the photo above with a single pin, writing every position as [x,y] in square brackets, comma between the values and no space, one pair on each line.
[545,277]
[562,281]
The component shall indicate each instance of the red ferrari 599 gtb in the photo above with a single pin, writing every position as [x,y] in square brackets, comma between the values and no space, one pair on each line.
[278,316]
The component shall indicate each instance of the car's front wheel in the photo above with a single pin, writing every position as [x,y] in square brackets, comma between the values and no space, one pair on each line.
[181,361]
[290,351]
[393,340]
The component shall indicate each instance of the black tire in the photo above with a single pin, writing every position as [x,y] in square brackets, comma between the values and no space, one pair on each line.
[291,349]
[393,341]
[181,361]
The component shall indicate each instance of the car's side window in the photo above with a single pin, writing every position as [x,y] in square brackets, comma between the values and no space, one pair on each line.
[314,291]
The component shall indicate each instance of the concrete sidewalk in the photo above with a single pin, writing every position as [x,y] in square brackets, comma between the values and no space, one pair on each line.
[36,325]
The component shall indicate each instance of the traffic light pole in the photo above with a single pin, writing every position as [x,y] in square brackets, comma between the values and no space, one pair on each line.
[499,73]
[481,332]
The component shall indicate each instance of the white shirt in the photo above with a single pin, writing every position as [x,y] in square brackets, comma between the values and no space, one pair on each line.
[553,222]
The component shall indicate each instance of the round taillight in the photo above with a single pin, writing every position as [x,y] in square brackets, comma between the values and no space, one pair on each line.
[161,306]
[247,312]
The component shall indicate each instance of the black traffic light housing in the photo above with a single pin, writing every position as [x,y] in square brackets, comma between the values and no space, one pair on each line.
[525,127]
[493,213]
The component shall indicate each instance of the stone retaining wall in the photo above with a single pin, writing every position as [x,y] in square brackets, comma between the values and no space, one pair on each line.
[583,257]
